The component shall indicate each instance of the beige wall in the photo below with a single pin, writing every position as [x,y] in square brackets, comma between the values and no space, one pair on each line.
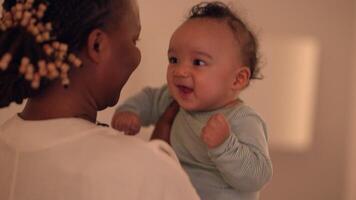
[351,176]
[321,172]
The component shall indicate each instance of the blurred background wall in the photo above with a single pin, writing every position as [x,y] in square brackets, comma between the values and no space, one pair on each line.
[316,158]
[351,175]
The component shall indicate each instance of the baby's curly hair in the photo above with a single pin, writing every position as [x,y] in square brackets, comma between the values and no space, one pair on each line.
[246,38]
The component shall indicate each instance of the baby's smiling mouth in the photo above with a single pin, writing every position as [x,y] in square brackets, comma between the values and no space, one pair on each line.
[184,89]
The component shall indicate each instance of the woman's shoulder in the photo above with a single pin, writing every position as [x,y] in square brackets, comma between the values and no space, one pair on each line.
[101,158]
[115,141]
[130,162]
[113,147]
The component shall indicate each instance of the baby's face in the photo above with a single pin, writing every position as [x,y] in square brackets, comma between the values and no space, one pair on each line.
[204,58]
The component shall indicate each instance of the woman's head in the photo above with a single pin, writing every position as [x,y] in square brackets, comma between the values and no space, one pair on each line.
[72,20]
[113,55]
[99,32]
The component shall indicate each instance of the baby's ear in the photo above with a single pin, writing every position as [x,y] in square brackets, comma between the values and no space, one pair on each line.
[242,78]
[98,46]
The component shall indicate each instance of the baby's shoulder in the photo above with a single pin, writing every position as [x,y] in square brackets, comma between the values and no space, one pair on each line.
[244,114]
[242,111]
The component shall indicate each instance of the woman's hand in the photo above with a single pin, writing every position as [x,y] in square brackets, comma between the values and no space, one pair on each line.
[127,122]
[163,126]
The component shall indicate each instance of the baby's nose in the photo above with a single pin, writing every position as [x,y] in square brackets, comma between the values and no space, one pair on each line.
[181,71]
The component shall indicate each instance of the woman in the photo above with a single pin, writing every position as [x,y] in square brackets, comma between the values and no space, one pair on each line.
[53,149]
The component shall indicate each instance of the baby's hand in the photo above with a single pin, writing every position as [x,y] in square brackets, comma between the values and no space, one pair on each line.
[216,131]
[128,122]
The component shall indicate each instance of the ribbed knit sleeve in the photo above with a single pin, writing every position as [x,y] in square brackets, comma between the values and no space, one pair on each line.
[149,104]
[243,159]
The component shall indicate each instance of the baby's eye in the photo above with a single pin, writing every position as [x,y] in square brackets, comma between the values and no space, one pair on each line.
[172,60]
[198,62]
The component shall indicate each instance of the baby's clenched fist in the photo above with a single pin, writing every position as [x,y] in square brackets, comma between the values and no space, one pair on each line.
[216,131]
[127,122]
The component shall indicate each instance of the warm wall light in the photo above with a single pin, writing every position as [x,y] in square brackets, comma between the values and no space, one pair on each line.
[286,96]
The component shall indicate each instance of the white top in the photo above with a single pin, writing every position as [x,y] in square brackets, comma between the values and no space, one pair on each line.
[73,159]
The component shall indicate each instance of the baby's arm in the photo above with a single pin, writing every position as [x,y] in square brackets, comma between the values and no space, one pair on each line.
[143,108]
[242,158]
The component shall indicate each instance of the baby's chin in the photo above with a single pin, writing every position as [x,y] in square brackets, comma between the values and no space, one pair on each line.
[190,108]
[197,108]
[183,105]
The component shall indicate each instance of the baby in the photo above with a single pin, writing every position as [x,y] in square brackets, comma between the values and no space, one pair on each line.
[220,141]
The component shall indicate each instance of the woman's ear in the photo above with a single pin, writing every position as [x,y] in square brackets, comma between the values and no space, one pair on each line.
[98,46]
[242,78]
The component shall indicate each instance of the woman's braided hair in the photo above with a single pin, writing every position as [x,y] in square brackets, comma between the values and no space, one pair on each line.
[39,40]
[245,37]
